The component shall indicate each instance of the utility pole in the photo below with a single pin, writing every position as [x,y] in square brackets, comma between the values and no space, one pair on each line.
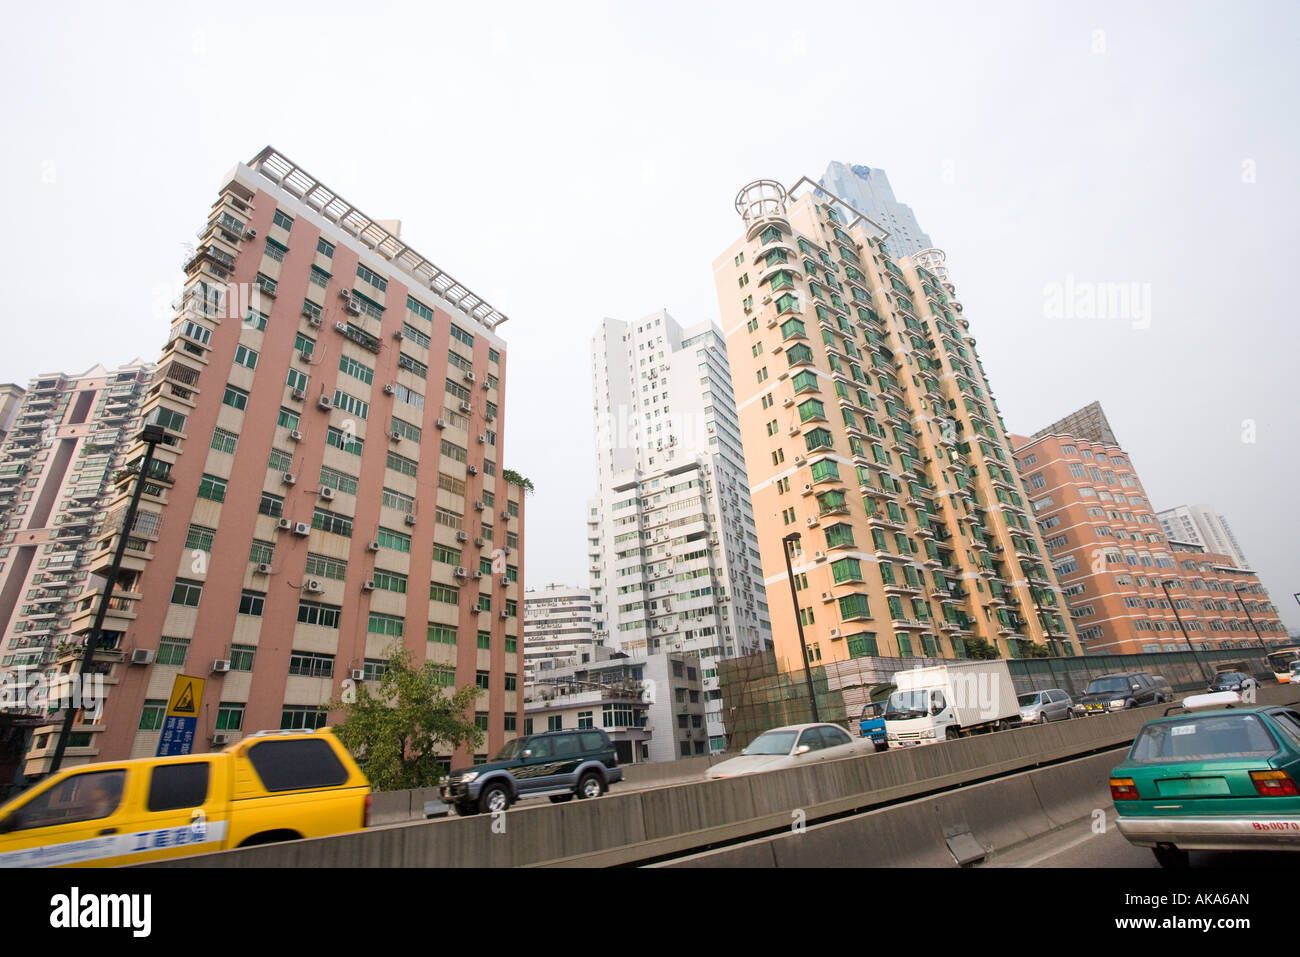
[1190,647]
[787,544]
[151,435]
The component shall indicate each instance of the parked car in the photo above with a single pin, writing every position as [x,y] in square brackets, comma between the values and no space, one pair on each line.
[271,786]
[793,746]
[1237,681]
[1040,707]
[1224,778]
[1118,692]
[555,764]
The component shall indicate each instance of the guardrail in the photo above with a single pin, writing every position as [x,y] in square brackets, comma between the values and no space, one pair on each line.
[642,826]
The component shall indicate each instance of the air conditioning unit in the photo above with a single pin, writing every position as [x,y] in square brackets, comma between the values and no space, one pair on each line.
[486,385]
[395,435]
[250,234]
[505,515]
[368,585]
[787,403]
[264,568]
[469,376]
[357,674]
[345,293]
[466,407]
[302,528]
[490,417]
[462,536]
[372,547]
[807,487]
[818,556]
[410,519]
[835,633]
[389,390]
[309,310]
[288,478]
[504,613]
[504,580]
[479,506]
[324,402]
[341,327]
[314,320]
[478,573]
[296,435]
[327,493]
[142,656]
[799,460]
[284,523]
[312,585]
[482,438]
[461,572]
[221,666]
[473,469]
[354,307]
[812,521]
[398,335]
[441,424]
[478,543]
[826,596]
[222,737]
[298,395]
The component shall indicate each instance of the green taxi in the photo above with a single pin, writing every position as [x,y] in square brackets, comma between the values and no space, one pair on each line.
[1223,778]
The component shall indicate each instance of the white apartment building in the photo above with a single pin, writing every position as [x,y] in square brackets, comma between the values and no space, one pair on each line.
[671,536]
[557,629]
[1202,525]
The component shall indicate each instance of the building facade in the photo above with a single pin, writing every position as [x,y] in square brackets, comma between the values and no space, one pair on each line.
[57,472]
[653,708]
[1115,562]
[11,400]
[671,535]
[1202,525]
[557,629]
[867,191]
[330,486]
[870,432]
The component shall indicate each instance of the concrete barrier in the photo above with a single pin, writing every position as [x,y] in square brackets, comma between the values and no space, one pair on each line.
[996,815]
[624,828]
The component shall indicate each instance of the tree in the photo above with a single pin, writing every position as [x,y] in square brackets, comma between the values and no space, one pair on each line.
[400,731]
[514,478]
[1029,649]
[980,649]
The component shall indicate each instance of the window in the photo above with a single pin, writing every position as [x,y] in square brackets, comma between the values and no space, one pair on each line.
[342,440]
[186,592]
[339,481]
[314,613]
[351,404]
[372,277]
[230,717]
[390,581]
[311,665]
[224,441]
[272,505]
[287,419]
[241,657]
[293,718]
[350,366]
[200,538]
[325,567]
[325,249]
[328,521]
[252,603]
[443,634]
[235,398]
[444,593]
[261,552]
[280,461]
[245,357]
[172,651]
[213,488]
[395,540]
[283,220]
[400,463]
[151,718]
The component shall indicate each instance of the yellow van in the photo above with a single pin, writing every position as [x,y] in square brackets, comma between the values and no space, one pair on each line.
[271,786]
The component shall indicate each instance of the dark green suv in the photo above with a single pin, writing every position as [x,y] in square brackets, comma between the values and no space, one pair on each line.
[556,764]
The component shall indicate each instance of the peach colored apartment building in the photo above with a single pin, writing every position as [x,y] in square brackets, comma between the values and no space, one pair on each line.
[869,429]
[1114,560]
[330,486]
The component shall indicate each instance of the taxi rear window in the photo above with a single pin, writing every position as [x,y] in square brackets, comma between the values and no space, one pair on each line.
[1213,737]
[294,765]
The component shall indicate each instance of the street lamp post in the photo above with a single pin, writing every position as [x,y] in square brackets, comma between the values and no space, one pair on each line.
[151,435]
[1249,618]
[1190,647]
[786,544]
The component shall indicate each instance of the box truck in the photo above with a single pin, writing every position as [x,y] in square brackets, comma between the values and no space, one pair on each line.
[950,701]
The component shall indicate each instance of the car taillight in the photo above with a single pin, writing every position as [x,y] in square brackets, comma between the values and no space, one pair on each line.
[1274,784]
[1123,789]
[365,818]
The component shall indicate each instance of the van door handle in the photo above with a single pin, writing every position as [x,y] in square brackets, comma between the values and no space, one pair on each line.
[109,830]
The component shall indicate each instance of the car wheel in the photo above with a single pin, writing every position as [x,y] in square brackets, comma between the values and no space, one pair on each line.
[495,797]
[466,809]
[950,733]
[561,798]
[1171,857]
[1042,718]
[591,786]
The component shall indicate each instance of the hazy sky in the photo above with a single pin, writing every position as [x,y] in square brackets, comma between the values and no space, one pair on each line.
[574,161]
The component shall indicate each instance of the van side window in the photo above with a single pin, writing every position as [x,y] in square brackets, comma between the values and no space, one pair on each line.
[293,765]
[82,797]
[566,745]
[174,786]
[592,741]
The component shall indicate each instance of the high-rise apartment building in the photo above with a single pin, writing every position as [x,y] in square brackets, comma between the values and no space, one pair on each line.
[870,431]
[557,629]
[671,536]
[57,471]
[11,400]
[331,484]
[1113,559]
[1202,525]
[866,190]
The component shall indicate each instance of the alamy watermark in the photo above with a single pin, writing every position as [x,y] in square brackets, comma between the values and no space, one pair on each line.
[1084,299]
[33,691]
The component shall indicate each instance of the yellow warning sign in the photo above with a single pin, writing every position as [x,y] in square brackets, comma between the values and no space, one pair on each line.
[187,695]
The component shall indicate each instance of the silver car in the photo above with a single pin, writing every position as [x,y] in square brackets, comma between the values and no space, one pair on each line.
[793,746]
[1040,707]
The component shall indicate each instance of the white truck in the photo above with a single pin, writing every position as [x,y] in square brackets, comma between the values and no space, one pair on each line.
[950,701]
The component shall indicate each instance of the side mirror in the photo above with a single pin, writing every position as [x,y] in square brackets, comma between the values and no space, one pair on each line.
[802,749]
[526,753]
[1137,687]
